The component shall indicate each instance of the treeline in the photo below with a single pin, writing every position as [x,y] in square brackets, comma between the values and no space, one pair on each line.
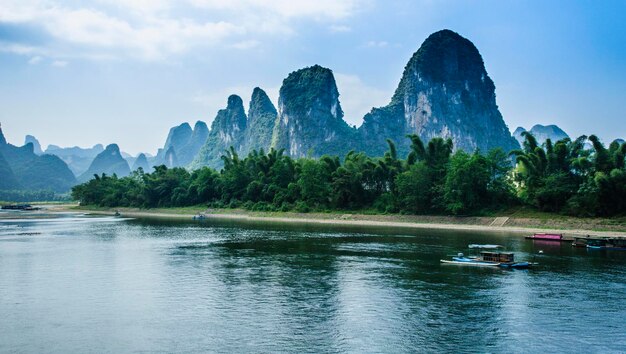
[562,177]
[21,196]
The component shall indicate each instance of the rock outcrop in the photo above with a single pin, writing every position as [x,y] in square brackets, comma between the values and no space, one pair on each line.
[310,119]
[445,92]
[198,138]
[36,146]
[227,130]
[541,133]
[109,161]
[261,120]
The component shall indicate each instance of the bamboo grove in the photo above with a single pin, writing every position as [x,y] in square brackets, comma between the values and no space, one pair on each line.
[563,177]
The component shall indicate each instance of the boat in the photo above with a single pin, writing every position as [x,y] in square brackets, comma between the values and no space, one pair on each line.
[475,245]
[27,207]
[580,242]
[548,237]
[488,259]
[607,243]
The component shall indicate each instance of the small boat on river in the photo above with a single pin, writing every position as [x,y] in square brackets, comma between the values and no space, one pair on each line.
[549,237]
[488,259]
[607,243]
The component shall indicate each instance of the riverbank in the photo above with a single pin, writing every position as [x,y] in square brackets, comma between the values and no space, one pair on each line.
[521,222]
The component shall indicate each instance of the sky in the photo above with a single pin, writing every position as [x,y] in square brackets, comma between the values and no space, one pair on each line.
[125,72]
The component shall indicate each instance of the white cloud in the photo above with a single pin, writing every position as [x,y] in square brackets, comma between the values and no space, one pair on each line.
[340,28]
[357,98]
[249,44]
[376,44]
[34,60]
[59,63]
[155,29]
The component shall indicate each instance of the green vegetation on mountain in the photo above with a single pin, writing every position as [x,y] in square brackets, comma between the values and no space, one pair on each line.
[446,92]
[226,130]
[261,120]
[310,120]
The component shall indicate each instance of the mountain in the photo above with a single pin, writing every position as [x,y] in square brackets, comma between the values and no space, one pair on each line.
[227,130]
[142,161]
[8,181]
[109,161]
[446,92]
[310,118]
[541,133]
[35,142]
[177,138]
[188,152]
[77,159]
[184,143]
[261,120]
[31,171]
[171,160]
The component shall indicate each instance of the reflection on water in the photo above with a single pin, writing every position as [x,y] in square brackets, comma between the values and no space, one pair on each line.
[80,284]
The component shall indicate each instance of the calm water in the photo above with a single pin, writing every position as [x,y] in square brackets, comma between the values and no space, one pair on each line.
[80,284]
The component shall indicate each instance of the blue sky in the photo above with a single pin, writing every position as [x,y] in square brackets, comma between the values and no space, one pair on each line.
[81,73]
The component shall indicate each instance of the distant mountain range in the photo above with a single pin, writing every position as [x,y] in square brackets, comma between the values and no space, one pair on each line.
[21,168]
[444,91]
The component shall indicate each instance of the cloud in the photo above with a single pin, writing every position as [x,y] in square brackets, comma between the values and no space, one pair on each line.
[340,28]
[357,98]
[376,44]
[157,29]
[59,63]
[243,45]
[34,60]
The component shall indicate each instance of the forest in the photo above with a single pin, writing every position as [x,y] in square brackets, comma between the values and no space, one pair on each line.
[561,177]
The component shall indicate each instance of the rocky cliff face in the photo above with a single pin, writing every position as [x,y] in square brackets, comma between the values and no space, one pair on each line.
[541,133]
[261,120]
[36,146]
[22,168]
[227,130]
[110,161]
[444,92]
[310,118]
[198,138]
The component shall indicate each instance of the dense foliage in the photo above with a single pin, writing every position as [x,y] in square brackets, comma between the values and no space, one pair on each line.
[22,196]
[560,177]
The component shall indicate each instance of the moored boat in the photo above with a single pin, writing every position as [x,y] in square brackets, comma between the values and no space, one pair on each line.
[488,259]
[548,237]
[607,243]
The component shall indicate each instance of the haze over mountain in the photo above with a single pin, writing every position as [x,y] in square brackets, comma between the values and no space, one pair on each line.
[142,162]
[77,159]
[182,145]
[541,133]
[21,168]
[36,146]
[109,161]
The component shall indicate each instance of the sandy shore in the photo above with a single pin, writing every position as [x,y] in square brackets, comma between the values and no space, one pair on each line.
[483,224]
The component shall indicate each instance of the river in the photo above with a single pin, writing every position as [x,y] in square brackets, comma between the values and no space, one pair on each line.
[80,284]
